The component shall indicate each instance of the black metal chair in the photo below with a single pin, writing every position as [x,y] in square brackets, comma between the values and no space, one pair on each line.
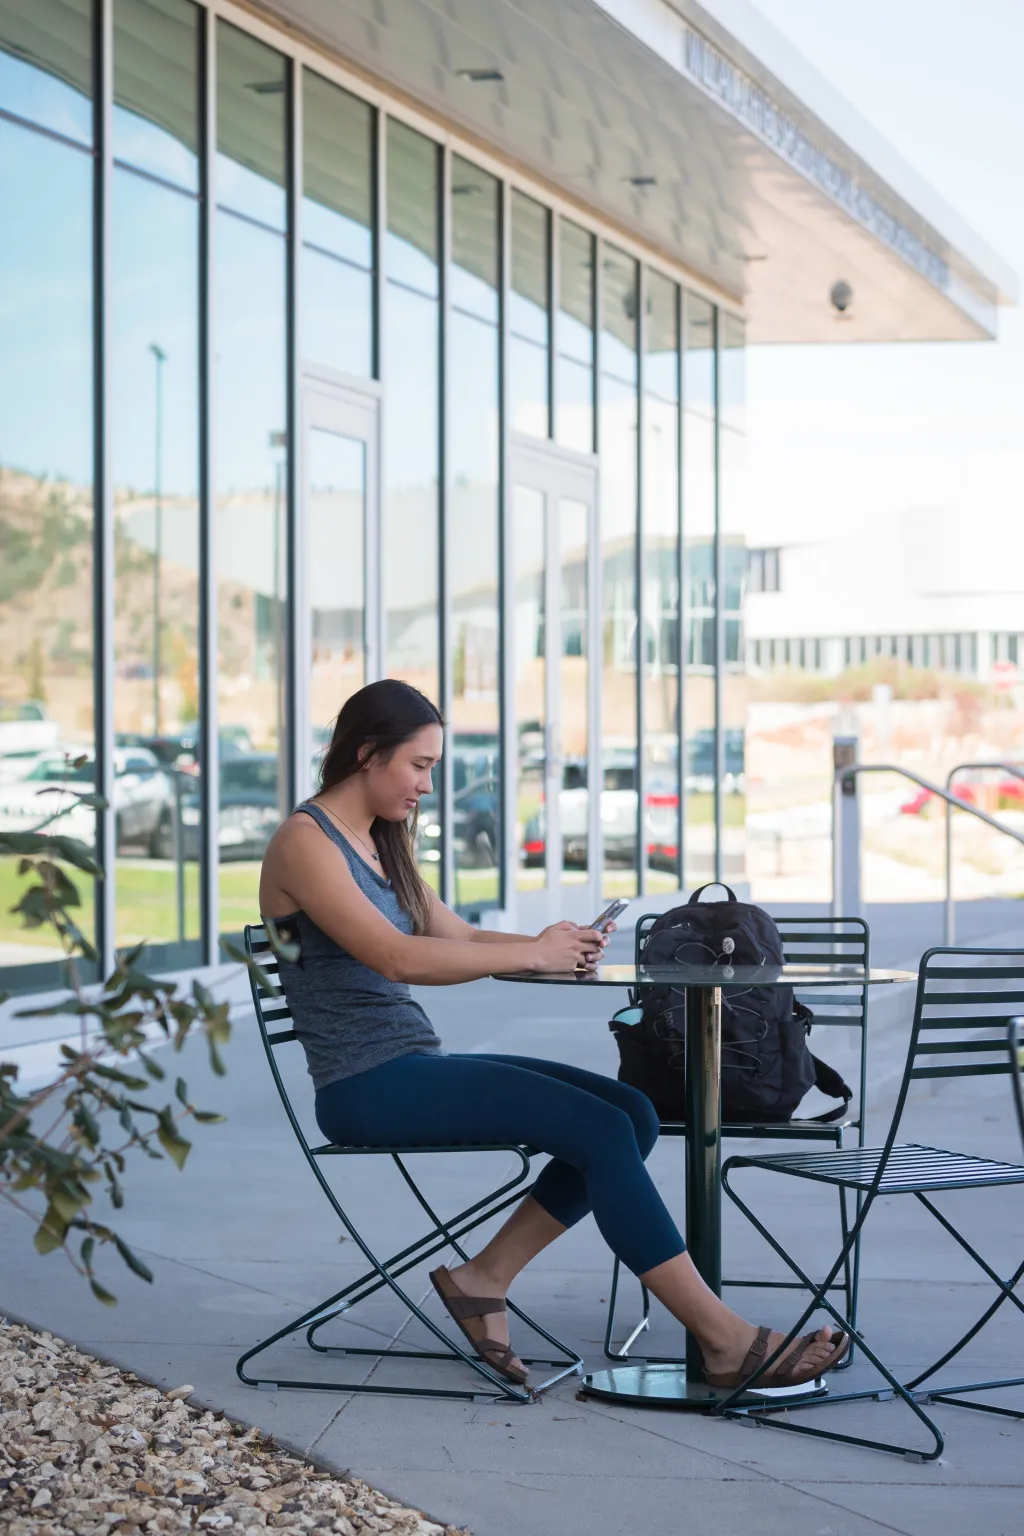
[1015,1030]
[965,998]
[806,941]
[274,1019]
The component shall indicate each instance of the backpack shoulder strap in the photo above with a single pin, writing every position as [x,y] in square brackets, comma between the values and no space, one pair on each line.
[828,1081]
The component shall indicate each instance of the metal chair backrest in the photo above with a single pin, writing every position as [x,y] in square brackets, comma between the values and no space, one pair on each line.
[272,1010]
[1014,1036]
[965,1001]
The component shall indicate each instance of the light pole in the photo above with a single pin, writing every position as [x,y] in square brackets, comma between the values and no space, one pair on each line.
[160,357]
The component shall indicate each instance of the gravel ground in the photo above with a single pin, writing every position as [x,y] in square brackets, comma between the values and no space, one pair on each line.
[87,1448]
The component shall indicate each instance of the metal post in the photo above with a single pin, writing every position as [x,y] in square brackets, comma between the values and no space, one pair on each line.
[160,357]
[950,910]
[704,1148]
[179,854]
[846,898]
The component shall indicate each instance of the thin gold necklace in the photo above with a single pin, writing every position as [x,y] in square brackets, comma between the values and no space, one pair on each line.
[335,817]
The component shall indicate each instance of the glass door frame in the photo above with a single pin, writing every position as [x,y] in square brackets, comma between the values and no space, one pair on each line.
[560,475]
[331,402]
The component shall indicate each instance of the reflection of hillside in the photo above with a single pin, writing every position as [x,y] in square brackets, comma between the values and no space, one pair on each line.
[46,595]
[134,549]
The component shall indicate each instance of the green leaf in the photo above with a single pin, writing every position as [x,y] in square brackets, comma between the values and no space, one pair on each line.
[51,1231]
[154,1068]
[134,1263]
[88,1244]
[115,1075]
[86,1124]
[208,1117]
[102,1294]
[181,1091]
[171,1139]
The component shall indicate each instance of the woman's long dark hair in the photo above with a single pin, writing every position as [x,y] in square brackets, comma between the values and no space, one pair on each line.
[381,717]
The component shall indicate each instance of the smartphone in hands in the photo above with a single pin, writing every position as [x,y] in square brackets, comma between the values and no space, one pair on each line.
[608,916]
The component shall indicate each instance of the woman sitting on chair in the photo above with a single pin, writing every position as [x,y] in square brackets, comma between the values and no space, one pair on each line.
[339,876]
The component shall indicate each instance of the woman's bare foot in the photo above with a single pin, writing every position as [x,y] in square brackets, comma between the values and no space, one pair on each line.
[726,1357]
[475,1281]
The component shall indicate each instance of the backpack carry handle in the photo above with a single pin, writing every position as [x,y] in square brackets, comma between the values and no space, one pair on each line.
[695,898]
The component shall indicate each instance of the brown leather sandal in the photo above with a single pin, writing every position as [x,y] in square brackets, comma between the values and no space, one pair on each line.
[460,1306]
[786,1372]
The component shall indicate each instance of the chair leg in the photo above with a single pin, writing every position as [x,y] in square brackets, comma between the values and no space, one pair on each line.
[763,1413]
[386,1273]
[622,1353]
[950,1394]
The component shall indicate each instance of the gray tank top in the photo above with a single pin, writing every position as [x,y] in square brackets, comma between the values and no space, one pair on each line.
[348,1017]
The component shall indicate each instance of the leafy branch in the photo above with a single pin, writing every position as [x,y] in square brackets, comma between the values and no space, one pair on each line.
[63,1142]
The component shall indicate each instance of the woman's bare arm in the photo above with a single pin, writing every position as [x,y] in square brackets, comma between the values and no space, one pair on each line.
[303,870]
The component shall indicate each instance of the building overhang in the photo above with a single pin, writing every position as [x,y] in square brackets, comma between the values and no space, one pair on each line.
[701,132]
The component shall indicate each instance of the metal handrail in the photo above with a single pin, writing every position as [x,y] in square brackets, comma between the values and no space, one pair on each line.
[850,772]
[1018,773]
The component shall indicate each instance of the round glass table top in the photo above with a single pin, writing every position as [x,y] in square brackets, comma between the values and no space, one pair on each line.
[823,975]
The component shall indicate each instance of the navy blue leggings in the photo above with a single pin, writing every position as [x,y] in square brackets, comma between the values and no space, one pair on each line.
[597,1131]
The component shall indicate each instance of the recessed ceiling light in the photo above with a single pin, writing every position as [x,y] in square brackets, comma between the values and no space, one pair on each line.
[478,76]
[642,181]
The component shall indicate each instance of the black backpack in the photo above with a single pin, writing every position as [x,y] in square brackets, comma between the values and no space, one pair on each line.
[766,1064]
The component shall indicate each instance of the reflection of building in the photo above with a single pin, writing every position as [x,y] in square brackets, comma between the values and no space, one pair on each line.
[450,319]
[937,599]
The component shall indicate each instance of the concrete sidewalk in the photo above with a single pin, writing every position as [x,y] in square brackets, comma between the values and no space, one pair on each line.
[239,1243]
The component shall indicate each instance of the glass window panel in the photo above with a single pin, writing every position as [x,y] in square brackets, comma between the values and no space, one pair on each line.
[411,543]
[575,413]
[699,365]
[574,371]
[734,516]
[46,64]
[46,506]
[575,292]
[732,383]
[529,668]
[661,579]
[251,112]
[619,650]
[474,273]
[531,270]
[337,170]
[336,313]
[336,308]
[154,364]
[573,564]
[472,536]
[699,642]
[251,510]
[619,315]
[156,83]
[336,469]
[412,175]
[528,325]
[661,357]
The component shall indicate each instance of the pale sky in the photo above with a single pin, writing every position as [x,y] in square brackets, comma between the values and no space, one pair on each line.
[835,430]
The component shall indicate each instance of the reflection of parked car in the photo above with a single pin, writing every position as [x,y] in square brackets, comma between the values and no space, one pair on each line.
[143,798]
[249,810]
[700,761]
[1007,793]
[181,750]
[25,727]
[618,813]
[475,807]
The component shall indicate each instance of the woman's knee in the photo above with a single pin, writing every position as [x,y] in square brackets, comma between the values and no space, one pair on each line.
[646,1125]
